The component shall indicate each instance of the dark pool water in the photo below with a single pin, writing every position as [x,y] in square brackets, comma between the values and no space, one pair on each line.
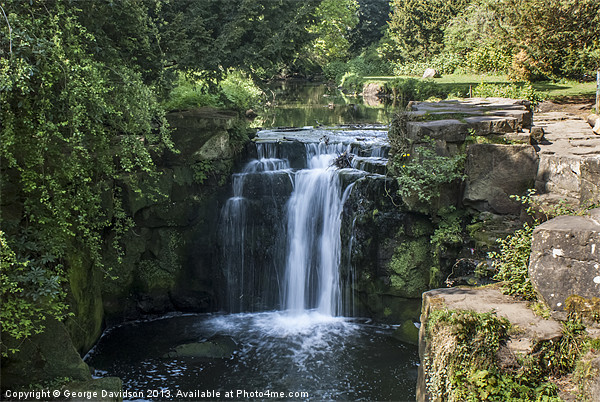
[301,356]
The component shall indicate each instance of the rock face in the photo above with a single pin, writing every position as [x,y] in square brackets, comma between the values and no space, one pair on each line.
[569,159]
[43,357]
[495,172]
[171,251]
[565,259]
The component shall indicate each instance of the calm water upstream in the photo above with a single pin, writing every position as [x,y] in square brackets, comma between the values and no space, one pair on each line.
[301,103]
[290,333]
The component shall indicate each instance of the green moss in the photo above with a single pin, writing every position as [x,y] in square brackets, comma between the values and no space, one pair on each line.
[409,268]
[407,333]
[85,323]
[160,273]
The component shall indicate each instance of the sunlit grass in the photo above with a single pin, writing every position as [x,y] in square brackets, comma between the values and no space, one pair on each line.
[549,89]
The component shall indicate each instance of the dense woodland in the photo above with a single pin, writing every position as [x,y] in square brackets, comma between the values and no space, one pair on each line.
[85,85]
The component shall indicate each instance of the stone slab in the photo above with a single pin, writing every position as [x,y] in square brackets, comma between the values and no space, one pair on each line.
[449,130]
[565,259]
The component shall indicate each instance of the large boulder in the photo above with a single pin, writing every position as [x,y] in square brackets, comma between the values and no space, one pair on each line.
[430,73]
[495,172]
[565,259]
[42,358]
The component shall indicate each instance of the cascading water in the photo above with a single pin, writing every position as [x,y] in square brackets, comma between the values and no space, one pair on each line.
[314,219]
[289,291]
[242,274]
[308,276]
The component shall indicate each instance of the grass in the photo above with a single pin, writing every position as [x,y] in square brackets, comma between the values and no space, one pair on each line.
[560,90]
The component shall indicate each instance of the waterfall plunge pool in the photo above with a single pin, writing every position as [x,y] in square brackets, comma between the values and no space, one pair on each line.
[310,355]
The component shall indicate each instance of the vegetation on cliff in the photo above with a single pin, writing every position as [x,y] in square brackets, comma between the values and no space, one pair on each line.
[467,359]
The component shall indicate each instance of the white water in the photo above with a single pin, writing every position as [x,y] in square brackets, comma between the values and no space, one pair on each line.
[314,245]
[306,270]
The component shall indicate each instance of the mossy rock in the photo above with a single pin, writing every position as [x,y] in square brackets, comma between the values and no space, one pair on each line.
[85,299]
[216,348]
[42,358]
[409,268]
[407,333]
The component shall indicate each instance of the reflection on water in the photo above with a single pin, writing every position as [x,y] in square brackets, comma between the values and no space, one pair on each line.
[330,358]
[300,103]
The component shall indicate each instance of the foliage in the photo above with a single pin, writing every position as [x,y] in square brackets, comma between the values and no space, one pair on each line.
[30,295]
[240,91]
[448,230]
[335,70]
[513,91]
[423,174]
[558,357]
[74,124]
[551,38]
[369,63]
[461,362]
[260,37]
[372,19]
[512,262]
[188,94]
[352,82]
[416,28]
[334,20]
[443,63]
[531,39]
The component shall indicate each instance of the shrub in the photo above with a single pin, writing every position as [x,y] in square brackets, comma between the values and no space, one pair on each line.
[444,63]
[236,91]
[513,90]
[335,70]
[240,91]
[512,262]
[352,82]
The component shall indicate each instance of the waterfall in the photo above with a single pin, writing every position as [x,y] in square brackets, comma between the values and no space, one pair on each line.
[247,288]
[306,269]
[314,243]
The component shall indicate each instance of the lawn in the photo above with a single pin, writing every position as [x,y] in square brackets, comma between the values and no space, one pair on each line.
[549,89]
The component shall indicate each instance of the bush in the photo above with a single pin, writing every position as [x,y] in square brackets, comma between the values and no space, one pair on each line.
[512,263]
[236,91]
[335,70]
[369,63]
[488,59]
[352,82]
[187,95]
[514,91]
[240,91]
[444,63]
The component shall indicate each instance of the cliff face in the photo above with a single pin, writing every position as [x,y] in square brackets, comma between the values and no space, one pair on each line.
[562,161]
[169,255]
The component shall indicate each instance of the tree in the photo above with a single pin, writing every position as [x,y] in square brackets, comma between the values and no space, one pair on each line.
[416,27]
[551,38]
[77,119]
[335,19]
[260,37]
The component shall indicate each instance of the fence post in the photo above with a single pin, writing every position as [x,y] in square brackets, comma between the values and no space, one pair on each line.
[597,92]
